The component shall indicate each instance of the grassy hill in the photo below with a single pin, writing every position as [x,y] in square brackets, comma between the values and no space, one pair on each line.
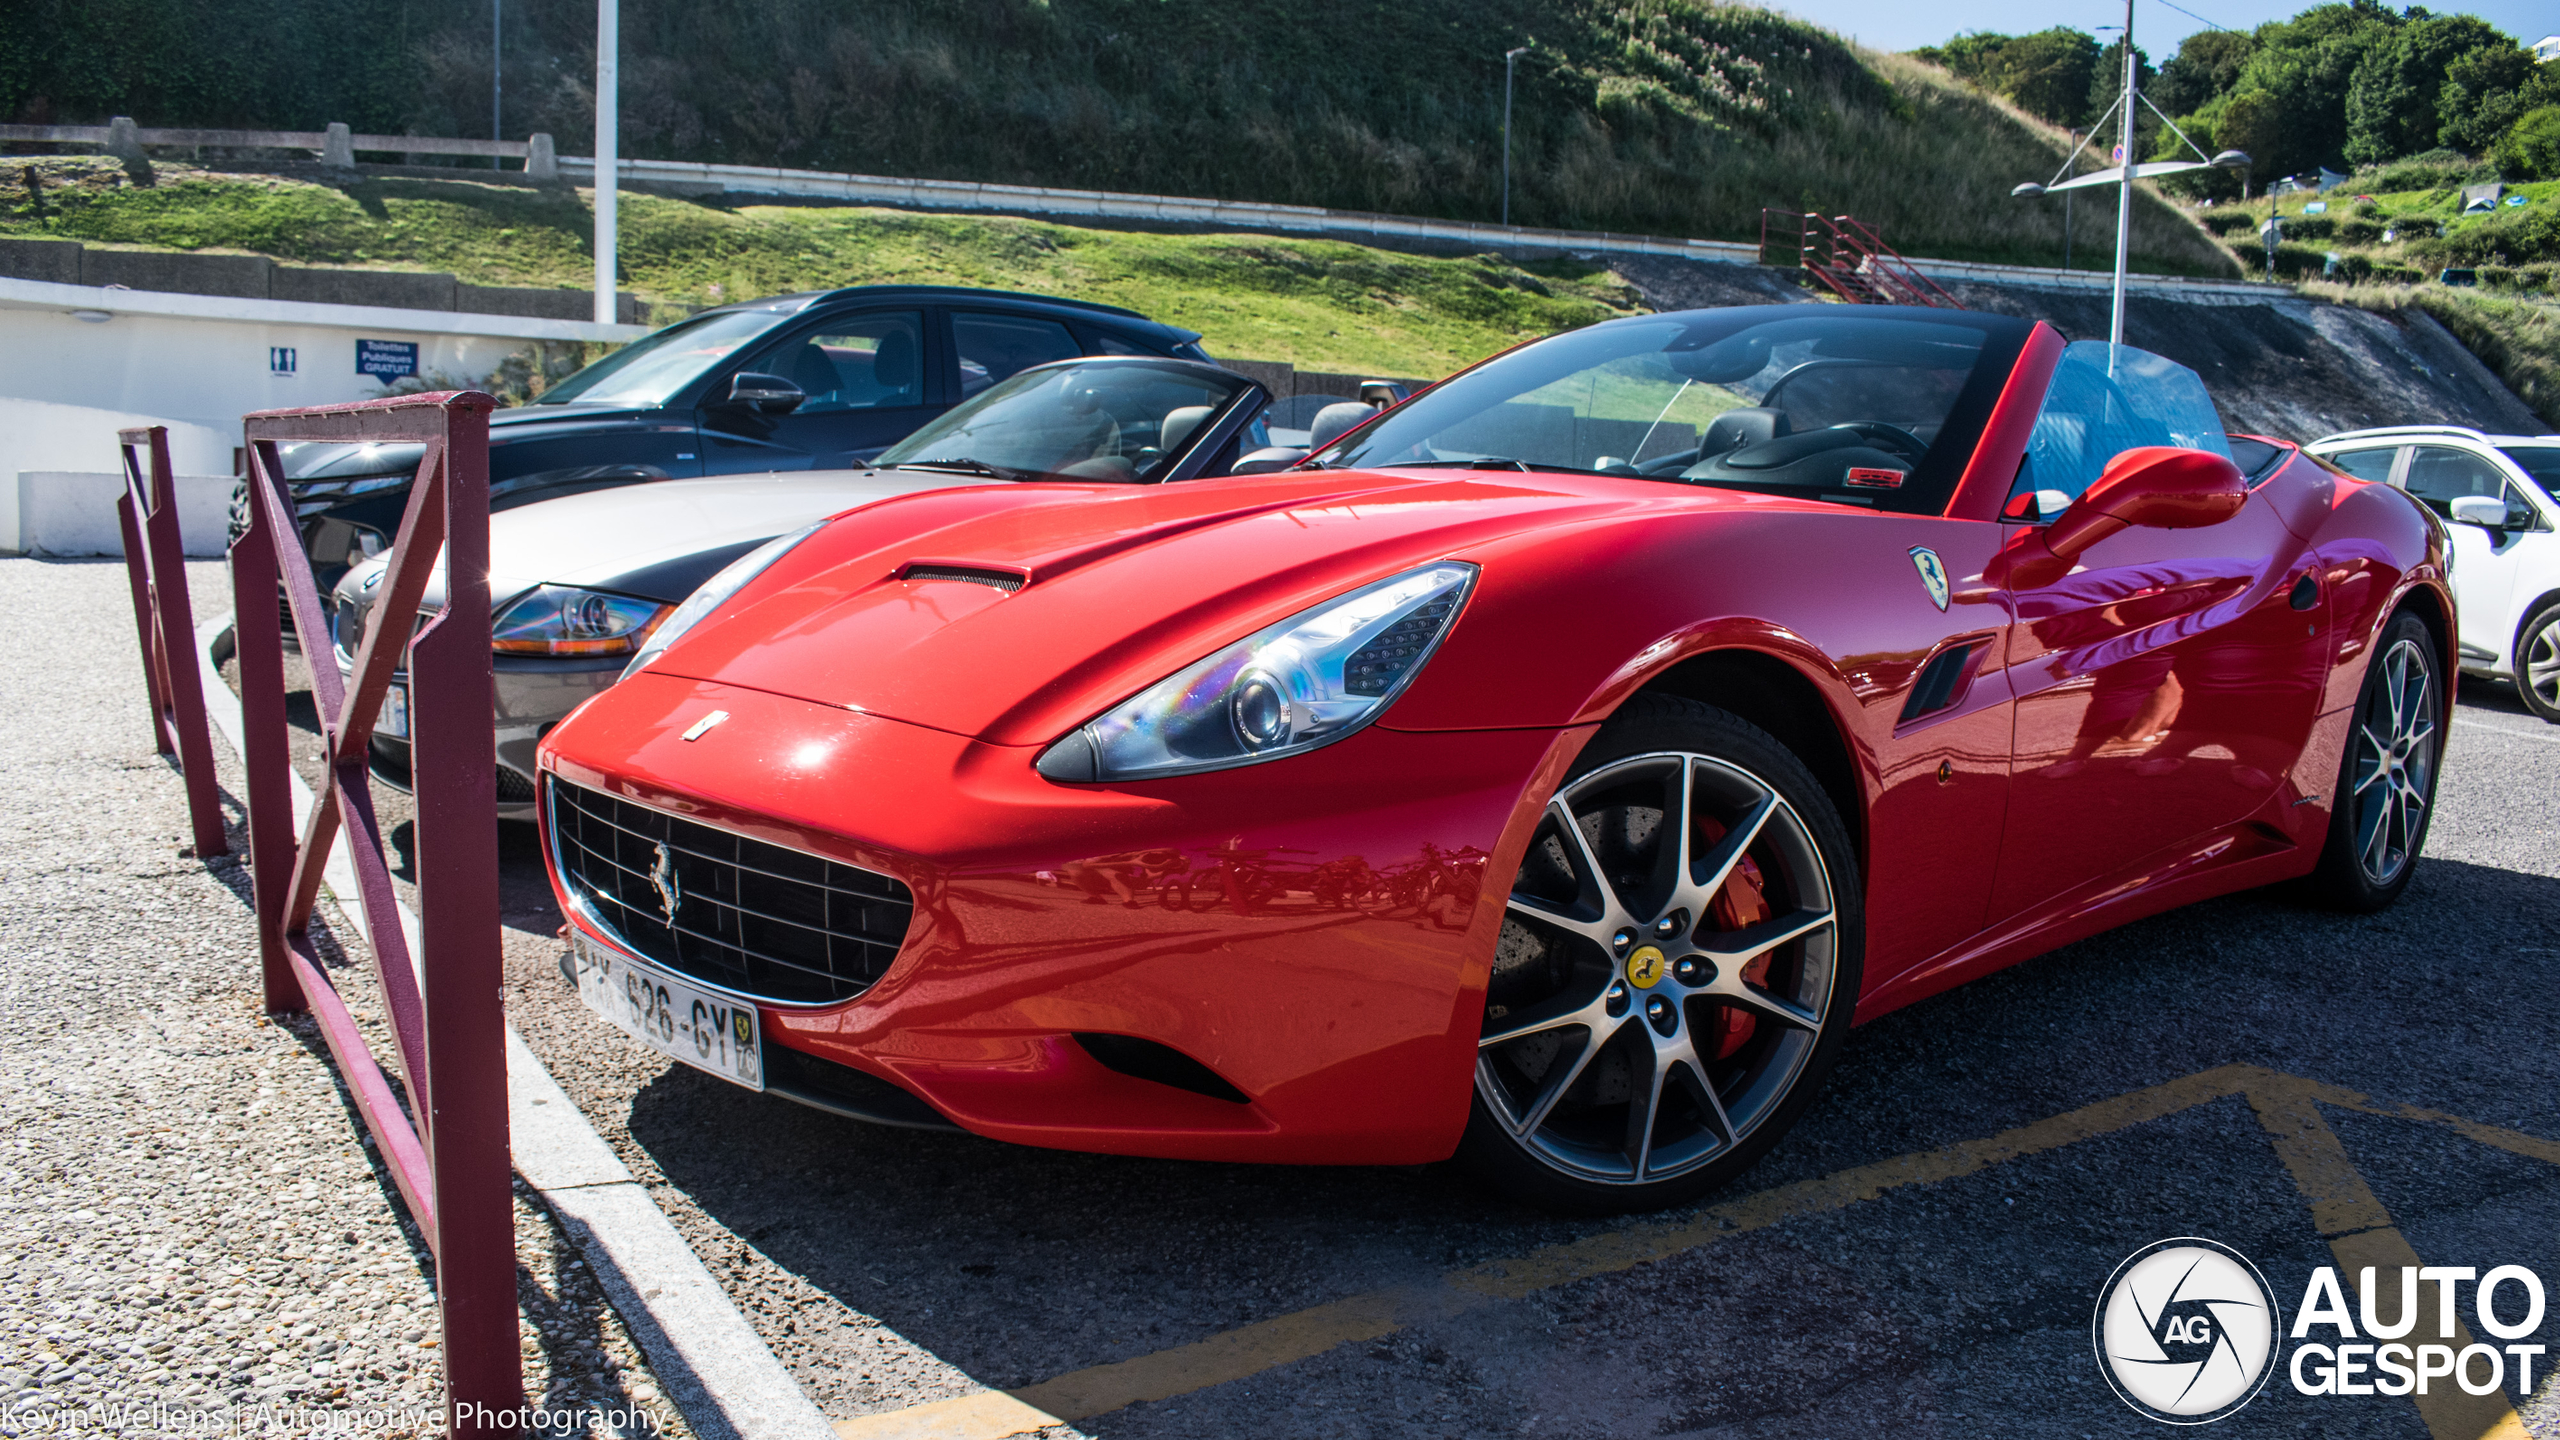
[1674,117]
[1322,304]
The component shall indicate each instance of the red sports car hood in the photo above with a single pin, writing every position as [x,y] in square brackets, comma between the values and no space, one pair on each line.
[1114,587]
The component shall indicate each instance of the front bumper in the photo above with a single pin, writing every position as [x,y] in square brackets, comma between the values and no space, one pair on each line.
[1315,931]
[531,694]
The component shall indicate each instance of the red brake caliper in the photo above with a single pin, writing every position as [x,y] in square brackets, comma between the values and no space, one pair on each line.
[1742,902]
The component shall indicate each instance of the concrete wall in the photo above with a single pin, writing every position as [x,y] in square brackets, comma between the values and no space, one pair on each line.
[195,363]
[68,512]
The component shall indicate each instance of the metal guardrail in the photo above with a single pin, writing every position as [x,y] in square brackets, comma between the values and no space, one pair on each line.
[448,1150]
[265,139]
[155,565]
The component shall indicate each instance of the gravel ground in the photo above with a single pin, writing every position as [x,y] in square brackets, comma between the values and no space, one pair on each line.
[188,1218]
[891,1267]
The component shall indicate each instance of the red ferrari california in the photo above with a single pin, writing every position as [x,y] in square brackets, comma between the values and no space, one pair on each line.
[1548,772]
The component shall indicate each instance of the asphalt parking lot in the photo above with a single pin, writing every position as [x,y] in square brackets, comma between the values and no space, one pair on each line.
[1882,1271]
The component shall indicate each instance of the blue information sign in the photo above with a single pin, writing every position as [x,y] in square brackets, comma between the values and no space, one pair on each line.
[386,360]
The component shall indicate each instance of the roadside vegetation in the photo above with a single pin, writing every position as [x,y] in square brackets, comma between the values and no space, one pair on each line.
[1319,304]
[2403,111]
[1668,117]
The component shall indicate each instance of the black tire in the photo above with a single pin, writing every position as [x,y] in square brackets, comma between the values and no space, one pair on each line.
[2386,793]
[1772,932]
[2538,662]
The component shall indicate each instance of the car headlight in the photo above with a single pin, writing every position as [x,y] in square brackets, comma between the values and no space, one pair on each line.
[698,605]
[1307,681]
[562,620]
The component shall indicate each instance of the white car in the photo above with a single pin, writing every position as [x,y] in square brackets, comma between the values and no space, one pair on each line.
[2496,494]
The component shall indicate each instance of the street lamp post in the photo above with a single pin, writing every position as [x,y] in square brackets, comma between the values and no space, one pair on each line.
[2122,175]
[497,78]
[2124,196]
[608,153]
[1510,63]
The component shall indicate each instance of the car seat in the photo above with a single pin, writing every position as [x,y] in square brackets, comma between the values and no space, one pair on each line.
[1334,421]
[1179,426]
[893,368]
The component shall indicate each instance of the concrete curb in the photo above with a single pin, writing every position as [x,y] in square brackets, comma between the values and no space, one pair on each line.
[710,1361]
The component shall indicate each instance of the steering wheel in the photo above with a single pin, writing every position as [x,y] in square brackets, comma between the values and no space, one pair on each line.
[1894,436]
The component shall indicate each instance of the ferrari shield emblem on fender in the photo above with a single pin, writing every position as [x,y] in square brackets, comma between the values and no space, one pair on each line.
[1933,573]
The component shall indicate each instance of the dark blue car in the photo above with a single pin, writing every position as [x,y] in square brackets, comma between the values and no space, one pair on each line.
[812,381]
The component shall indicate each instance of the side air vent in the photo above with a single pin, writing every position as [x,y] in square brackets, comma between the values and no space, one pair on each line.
[1940,682]
[1147,1060]
[1007,581]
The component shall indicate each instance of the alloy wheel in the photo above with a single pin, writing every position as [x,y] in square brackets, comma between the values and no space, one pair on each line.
[2395,755]
[2539,669]
[1665,971]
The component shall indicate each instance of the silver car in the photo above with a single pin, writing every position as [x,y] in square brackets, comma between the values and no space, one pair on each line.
[580,587]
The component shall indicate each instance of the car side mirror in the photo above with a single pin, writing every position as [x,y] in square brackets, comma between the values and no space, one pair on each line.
[770,394]
[2157,487]
[2486,511]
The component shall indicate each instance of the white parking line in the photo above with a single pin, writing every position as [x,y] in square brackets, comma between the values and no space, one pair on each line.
[2548,737]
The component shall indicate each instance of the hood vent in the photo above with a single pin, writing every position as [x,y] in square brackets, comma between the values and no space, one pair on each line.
[1007,581]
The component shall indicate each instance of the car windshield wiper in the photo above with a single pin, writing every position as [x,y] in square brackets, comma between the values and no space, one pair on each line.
[965,466]
[1489,462]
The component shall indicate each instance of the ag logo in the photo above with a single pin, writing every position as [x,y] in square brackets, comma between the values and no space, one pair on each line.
[1933,573]
[2185,1331]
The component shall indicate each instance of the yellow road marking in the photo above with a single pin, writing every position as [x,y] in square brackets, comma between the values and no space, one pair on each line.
[2361,1234]
[2343,1208]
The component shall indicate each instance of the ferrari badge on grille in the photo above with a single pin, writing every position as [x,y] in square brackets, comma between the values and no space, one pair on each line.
[662,877]
[1932,573]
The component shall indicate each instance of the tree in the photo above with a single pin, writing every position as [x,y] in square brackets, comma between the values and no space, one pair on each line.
[2206,66]
[2046,74]
[2391,102]
[2487,91]
[2106,82]
[2302,68]
[2530,150]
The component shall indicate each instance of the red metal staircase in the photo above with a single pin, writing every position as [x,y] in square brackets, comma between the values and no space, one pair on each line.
[1847,256]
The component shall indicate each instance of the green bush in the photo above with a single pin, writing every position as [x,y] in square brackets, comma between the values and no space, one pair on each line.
[2309,227]
[2434,170]
[2356,230]
[2391,272]
[2498,277]
[2416,227]
[2227,222]
[2530,150]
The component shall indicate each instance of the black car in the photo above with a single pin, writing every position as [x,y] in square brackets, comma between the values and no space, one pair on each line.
[797,382]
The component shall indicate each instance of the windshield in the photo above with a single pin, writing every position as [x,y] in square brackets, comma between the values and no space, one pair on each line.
[2542,462]
[650,370]
[1114,420]
[1873,409]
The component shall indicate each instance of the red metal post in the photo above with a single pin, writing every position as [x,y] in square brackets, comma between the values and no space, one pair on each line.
[450,1161]
[155,564]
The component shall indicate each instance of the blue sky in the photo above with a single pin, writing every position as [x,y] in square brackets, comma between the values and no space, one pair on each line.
[1900,25]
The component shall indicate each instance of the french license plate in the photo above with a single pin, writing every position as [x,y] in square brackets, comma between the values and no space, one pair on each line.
[395,713]
[680,1020]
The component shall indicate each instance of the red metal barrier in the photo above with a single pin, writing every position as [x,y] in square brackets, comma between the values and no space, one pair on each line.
[445,1014]
[1848,257]
[155,565]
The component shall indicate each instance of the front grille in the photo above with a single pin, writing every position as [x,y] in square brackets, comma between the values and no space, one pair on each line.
[762,920]
[514,787]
